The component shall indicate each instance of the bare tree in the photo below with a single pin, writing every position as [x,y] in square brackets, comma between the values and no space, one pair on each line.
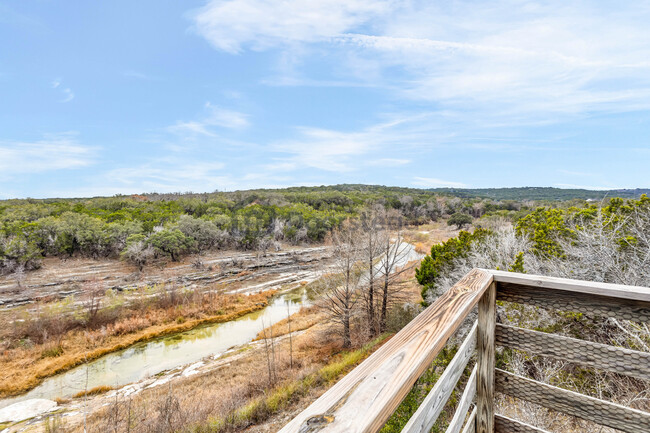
[371,250]
[394,256]
[340,290]
[138,252]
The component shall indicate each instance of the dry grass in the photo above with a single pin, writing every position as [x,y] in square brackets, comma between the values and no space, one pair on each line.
[23,368]
[236,395]
[93,391]
[425,236]
[303,319]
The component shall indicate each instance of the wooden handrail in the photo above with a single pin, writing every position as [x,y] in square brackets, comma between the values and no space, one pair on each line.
[425,417]
[463,406]
[366,397]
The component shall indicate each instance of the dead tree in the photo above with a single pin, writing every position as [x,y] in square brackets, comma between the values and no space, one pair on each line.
[393,259]
[339,291]
[371,249]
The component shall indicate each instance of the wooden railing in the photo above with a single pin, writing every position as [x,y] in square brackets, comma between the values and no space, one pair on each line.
[366,397]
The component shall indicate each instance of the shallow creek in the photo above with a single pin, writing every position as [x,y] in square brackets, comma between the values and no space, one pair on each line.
[150,358]
[147,359]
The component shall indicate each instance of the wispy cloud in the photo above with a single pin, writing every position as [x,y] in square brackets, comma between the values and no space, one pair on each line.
[532,62]
[344,151]
[233,25]
[167,174]
[388,162]
[53,152]
[430,182]
[67,92]
[213,117]
[139,75]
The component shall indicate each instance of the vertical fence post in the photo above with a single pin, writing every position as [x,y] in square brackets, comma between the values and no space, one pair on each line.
[485,370]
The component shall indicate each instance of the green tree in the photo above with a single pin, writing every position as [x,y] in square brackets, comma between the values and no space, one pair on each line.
[170,242]
[459,220]
[545,227]
[442,258]
[16,252]
[205,234]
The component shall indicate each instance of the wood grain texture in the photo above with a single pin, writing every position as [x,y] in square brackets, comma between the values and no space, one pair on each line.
[485,361]
[503,424]
[595,355]
[364,399]
[470,425]
[572,403]
[456,422]
[596,299]
[425,417]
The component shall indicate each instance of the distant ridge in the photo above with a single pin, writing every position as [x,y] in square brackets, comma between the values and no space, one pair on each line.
[513,193]
[541,193]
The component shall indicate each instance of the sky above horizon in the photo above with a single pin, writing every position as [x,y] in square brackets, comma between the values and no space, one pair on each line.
[121,97]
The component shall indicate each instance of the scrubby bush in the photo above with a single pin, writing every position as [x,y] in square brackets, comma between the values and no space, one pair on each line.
[459,220]
[171,242]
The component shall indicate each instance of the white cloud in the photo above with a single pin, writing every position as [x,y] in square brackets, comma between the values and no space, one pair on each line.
[388,162]
[343,151]
[214,117]
[231,25]
[53,152]
[139,75]
[68,94]
[430,182]
[168,174]
[526,62]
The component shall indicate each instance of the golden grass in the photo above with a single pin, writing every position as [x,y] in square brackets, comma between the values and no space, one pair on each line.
[425,236]
[281,396]
[24,368]
[305,318]
[93,391]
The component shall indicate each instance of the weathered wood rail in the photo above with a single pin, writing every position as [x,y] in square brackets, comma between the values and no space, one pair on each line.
[364,399]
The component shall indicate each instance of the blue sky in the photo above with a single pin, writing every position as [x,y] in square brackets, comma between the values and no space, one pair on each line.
[101,98]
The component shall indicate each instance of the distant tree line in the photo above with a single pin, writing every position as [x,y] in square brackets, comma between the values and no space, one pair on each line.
[146,227]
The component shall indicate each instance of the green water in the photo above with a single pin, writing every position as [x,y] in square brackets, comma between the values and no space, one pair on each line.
[147,359]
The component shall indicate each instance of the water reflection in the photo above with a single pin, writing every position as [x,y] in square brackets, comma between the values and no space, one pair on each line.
[147,359]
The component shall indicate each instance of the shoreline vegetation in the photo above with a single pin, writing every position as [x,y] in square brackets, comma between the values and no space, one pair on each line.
[25,367]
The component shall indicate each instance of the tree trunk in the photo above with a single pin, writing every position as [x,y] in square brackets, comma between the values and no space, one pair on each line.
[347,341]
[371,300]
[384,305]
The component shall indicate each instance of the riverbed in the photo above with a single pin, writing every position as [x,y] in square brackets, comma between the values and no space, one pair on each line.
[150,358]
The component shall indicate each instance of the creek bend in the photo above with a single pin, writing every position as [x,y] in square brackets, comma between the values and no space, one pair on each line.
[146,359]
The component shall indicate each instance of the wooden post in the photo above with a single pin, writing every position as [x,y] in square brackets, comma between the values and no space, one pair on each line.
[485,353]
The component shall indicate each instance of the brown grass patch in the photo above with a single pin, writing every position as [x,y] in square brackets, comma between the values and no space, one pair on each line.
[234,396]
[23,368]
[305,318]
[427,235]
[93,391]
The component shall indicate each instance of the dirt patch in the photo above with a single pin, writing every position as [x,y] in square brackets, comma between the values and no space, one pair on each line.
[425,236]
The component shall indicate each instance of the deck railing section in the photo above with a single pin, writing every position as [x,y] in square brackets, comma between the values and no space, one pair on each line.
[365,398]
